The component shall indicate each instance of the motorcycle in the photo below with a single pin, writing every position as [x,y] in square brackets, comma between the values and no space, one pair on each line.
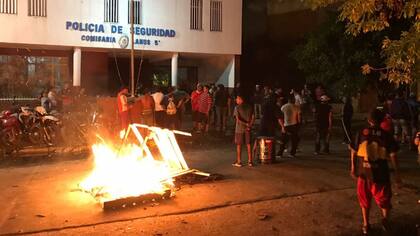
[37,126]
[9,131]
[50,124]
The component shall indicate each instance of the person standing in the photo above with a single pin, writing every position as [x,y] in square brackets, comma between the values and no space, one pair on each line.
[212,113]
[369,165]
[414,107]
[290,126]
[221,102]
[195,97]
[45,101]
[53,97]
[123,108]
[148,108]
[204,107]
[180,99]
[305,107]
[158,98]
[244,117]
[319,92]
[347,115]
[298,98]
[171,111]
[400,114]
[323,124]
[258,101]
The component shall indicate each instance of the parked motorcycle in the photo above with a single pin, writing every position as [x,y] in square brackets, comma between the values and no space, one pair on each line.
[9,131]
[50,124]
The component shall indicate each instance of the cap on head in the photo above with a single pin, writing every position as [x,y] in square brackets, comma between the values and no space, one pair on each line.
[324,98]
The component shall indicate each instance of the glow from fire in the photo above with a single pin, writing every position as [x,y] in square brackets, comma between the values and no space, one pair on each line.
[132,170]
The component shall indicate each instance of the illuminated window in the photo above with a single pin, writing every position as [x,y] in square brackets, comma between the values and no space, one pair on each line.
[216,15]
[137,12]
[196,15]
[111,11]
[37,8]
[8,6]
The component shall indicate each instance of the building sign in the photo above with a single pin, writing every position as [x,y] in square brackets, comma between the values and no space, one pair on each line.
[115,33]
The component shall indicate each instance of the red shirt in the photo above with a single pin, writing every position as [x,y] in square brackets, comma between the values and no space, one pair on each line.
[195,97]
[204,103]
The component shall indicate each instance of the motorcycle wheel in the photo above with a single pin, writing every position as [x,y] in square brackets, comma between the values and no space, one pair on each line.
[9,141]
[52,134]
[35,135]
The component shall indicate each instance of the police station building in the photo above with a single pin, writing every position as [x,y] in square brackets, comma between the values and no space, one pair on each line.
[47,43]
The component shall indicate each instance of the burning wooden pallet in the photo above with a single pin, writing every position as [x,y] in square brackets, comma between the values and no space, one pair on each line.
[141,170]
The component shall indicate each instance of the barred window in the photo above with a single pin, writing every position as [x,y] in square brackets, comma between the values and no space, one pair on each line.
[216,15]
[37,8]
[8,6]
[196,15]
[137,11]
[111,11]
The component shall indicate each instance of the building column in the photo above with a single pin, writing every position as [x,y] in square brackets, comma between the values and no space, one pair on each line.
[174,69]
[232,73]
[77,67]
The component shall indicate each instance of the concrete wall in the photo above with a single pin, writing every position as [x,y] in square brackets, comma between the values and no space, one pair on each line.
[174,14]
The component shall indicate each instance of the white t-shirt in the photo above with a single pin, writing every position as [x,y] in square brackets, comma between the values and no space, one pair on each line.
[290,112]
[298,100]
[158,98]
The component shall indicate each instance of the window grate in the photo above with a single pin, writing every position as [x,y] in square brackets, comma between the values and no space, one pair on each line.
[137,11]
[8,6]
[37,8]
[196,15]
[111,8]
[216,15]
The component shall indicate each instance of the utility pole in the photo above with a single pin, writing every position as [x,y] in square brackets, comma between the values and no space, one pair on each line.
[132,81]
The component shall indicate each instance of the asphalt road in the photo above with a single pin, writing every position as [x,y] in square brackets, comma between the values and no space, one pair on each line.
[307,195]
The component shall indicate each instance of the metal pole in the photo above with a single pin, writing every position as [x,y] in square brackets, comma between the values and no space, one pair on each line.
[132,89]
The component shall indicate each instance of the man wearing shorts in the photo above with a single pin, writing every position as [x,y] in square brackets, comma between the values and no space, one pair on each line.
[244,116]
[369,162]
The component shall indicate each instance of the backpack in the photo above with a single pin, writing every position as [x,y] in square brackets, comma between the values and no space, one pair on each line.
[171,108]
[370,149]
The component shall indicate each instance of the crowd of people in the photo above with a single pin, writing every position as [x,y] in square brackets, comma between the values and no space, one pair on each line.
[281,116]
[209,105]
[53,99]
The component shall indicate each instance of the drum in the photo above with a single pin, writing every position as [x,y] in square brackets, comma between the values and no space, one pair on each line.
[266,149]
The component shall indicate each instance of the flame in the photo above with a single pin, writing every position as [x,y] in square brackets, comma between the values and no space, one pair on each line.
[132,169]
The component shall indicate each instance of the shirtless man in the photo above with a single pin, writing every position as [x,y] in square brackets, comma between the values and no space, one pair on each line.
[148,107]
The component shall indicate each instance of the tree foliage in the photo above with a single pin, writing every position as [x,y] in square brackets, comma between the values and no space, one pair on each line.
[330,57]
[401,54]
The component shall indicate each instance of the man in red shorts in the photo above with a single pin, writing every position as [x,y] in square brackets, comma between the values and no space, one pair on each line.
[369,162]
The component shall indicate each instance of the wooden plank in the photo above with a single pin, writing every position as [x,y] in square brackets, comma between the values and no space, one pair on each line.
[135,201]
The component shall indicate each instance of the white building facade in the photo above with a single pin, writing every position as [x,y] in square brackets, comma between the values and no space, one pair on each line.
[87,43]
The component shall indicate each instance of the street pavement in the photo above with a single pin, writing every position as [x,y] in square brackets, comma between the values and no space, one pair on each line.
[307,195]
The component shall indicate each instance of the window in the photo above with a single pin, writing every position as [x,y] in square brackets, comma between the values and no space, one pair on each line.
[216,15]
[28,76]
[8,6]
[196,15]
[37,8]
[137,11]
[111,11]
